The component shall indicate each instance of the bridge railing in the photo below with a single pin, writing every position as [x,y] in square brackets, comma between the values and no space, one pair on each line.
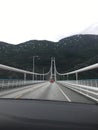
[5,84]
[86,82]
[88,88]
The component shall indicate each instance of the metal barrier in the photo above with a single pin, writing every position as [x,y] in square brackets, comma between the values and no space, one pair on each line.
[87,82]
[5,84]
[84,87]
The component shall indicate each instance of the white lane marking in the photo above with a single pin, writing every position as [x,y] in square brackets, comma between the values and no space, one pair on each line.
[32,89]
[64,94]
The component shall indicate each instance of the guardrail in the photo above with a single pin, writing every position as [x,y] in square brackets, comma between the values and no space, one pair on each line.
[6,84]
[83,88]
[90,82]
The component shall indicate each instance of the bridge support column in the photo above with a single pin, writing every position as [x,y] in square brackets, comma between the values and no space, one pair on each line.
[67,76]
[24,76]
[53,69]
[76,77]
[43,73]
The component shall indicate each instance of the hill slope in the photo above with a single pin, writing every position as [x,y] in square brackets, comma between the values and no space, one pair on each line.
[71,53]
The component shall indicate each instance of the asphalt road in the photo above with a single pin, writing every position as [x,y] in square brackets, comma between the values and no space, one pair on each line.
[45,91]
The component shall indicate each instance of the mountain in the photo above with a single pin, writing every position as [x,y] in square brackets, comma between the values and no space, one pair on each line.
[71,53]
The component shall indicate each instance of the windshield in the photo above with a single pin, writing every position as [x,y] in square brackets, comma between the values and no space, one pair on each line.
[62,63]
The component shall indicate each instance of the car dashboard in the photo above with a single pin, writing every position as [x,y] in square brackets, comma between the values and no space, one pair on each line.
[43,114]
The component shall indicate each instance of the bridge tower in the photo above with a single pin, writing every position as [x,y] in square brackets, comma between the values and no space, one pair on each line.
[53,69]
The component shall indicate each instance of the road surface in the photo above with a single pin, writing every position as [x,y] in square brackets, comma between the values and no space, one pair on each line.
[45,91]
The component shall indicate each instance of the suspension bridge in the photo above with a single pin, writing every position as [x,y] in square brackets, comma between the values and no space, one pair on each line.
[51,85]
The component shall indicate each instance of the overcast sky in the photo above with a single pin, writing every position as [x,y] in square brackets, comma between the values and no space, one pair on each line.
[23,20]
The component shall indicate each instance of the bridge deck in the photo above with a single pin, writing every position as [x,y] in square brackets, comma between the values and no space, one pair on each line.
[45,91]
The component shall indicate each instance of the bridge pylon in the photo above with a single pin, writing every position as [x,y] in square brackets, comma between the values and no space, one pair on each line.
[53,69]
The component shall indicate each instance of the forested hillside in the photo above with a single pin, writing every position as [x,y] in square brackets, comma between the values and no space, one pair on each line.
[71,53]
